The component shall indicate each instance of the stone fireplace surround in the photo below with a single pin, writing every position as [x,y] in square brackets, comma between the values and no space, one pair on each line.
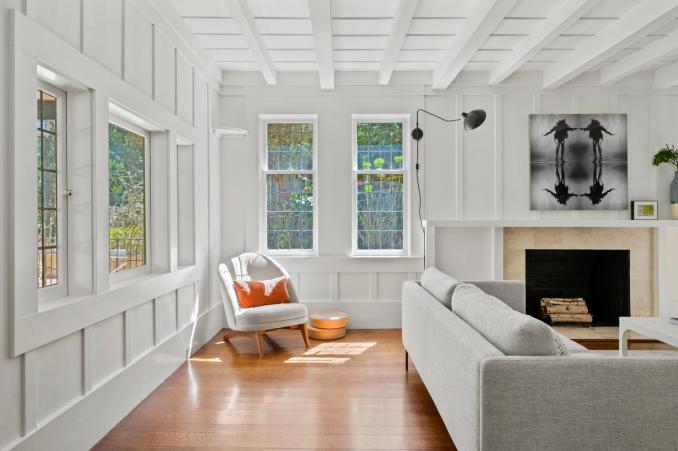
[639,241]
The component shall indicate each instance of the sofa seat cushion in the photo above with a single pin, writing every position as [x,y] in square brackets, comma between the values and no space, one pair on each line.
[440,285]
[273,313]
[513,333]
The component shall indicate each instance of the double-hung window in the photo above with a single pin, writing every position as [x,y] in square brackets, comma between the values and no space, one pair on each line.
[128,182]
[51,183]
[288,167]
[380,176]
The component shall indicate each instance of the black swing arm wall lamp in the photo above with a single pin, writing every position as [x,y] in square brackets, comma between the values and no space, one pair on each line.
[472,119]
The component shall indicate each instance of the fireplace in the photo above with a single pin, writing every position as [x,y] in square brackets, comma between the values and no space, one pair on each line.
[600,277]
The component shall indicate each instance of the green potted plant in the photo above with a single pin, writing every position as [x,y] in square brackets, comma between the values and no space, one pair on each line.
[669,155]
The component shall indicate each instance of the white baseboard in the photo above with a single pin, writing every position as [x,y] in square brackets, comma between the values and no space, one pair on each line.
[83,424]
[363,314]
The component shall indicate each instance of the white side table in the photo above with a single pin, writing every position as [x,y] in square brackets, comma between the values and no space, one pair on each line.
[651,326]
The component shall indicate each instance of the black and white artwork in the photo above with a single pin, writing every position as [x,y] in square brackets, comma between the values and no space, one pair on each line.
[578,162]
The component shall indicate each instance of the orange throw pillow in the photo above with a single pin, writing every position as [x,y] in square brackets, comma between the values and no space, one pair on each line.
[255,293]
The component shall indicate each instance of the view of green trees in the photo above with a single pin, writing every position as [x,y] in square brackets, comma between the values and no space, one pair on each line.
[47,221]
[289,197]
[380,194]
[127,206]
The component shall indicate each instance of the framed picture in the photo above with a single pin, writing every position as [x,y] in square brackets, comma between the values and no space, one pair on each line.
[644,209]
[578,162]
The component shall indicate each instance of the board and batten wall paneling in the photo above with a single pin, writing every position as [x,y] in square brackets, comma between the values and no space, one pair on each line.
[438,157]
[124,51]
[140,331]
[64,17]
[479,161]
[186,304]
[185,91]
[138,49]
[106,352]
[515,155]
[103,32]
[165,316]
[165,71]
[59,375]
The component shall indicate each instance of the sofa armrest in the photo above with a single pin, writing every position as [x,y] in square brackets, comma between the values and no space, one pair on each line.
[512,292]
[555,403]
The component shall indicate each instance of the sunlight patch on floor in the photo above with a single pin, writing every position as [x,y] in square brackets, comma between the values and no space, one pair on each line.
[322,352]
[200,359]
[330,360]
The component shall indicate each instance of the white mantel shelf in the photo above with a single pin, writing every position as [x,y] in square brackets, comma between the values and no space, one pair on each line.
[584,223]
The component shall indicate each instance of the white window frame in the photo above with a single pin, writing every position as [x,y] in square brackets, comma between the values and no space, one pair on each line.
[264,120]
[376,118]
[146,269]
[59,290]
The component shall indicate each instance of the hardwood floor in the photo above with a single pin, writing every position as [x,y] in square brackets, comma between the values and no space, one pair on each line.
[352,393]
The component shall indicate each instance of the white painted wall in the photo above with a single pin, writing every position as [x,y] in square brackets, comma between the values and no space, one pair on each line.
[81,367]
[482,174]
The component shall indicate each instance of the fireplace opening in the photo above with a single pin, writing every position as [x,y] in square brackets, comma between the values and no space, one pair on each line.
[600,277]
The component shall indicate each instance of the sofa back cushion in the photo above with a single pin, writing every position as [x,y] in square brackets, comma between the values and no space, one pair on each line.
[440,285]
[513,333]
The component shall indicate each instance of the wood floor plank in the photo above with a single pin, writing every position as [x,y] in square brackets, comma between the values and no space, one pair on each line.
[350,394]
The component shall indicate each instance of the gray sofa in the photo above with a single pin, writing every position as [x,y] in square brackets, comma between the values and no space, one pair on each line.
[489,400]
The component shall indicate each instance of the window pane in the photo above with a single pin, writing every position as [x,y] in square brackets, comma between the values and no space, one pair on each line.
[289,211]
[380,211]
[48,116]
[380,145]
[127,199]
[48,151]
[289,146]
[47,189]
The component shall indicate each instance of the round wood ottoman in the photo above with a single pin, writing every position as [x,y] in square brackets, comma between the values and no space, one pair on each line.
[327,325]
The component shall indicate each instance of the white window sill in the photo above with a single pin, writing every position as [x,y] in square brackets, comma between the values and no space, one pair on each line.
[352,263]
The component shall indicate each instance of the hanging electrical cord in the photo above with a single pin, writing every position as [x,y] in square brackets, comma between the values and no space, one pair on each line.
[472,119]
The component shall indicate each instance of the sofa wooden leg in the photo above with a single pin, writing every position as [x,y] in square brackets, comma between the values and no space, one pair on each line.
[407,361]
[304,333]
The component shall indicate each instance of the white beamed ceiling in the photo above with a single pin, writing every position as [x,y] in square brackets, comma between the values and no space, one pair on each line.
[361,31]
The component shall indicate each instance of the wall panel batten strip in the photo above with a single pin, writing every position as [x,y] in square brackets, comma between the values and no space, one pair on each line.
[374,286]
[127,337]
[87,357]
[498,159]
[334,286]
[459,154]
[29,391]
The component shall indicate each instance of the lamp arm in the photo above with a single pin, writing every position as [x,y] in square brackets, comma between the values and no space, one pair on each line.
[435,115]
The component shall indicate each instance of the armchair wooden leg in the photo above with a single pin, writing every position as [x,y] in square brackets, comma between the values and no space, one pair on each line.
[257,337]
[304,333]
[407,361]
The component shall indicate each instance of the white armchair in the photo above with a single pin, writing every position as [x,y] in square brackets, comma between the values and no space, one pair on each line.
[256,321]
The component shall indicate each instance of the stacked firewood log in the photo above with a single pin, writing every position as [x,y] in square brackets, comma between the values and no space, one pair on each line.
[565,311]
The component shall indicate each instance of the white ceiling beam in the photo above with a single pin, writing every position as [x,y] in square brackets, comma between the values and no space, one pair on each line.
[641,59]
[556,23]
[477,27]
[242,15]
[321,24]
[666,76]
[637,23]
[396,40]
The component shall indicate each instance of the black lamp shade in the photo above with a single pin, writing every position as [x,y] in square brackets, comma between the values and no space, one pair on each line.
[474,119]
